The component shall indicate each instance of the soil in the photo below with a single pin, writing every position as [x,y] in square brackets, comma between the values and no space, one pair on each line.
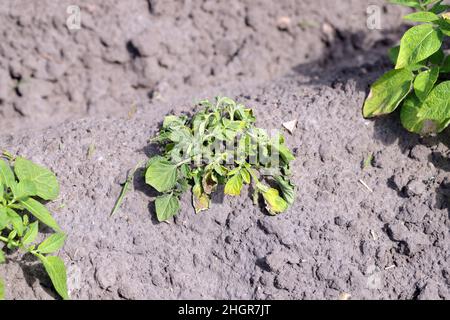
[90,99]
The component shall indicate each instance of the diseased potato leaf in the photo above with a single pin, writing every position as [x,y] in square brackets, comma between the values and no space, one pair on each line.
[274,203]
[388,92]
[218,145]
[234,185]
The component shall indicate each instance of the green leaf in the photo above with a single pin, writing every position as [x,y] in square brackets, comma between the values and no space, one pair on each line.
[173,122]
[2,257]
[200,139]
[285,153]
[181,135]
[4,219]
[437,105]
[6,174]
[425,81]
[287,189]
[40,212]
[234,185]
[220,170]
[47,186]
[274,203]
[52,244]
[411,121]
[224,101]
[245,175]
[12,235]
[31,234]
[57,273]
[277,144]
[422,17]
[388,92]
[125,188]
[166,206]
[161,175]
[24,189]
[2,289]
[16,221]
[26,220]
[417,44]
[408,115]
[408,3]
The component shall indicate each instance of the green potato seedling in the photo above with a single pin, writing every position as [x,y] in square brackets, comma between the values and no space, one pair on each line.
[22,184]
[219,145]
[419,84]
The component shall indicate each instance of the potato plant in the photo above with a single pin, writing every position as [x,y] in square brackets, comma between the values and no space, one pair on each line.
[23,185]
[219,145]
[419,84]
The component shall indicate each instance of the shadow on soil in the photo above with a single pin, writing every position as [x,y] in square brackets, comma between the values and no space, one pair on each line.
[33,271]
[140,185]
[350,56]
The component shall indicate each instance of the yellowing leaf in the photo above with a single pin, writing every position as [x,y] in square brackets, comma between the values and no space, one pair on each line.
[274,203]
[209,182]
[245,175]
[234,185]
[388,92]
[200,203]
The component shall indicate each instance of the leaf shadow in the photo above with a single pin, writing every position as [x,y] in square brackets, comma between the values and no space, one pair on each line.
[350,55]
[34,271]
[140,186]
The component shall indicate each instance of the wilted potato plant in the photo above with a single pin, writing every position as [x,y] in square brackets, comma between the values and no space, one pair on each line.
[219,145]
[419,83]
